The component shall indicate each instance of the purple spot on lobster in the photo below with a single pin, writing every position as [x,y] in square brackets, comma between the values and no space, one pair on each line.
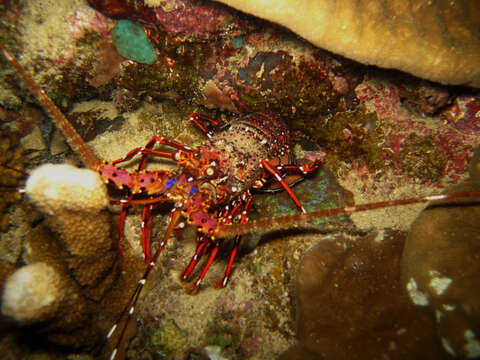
[193,190]
[170,183]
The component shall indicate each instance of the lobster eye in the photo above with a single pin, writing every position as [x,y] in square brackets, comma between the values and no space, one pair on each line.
[209,171]
[178,155]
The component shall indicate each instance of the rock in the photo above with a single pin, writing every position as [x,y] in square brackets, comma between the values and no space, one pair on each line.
[441,270]
[350,304]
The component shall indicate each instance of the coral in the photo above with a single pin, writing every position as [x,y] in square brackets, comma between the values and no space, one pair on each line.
[170,339]
[65,277]
[34,293]
[446,48]
[107,65]
[125,100]
[275,81]
[421,159]
[132,43]
[349,136]
[475,166]
[50,29]
[8,99]
[74,201]
[431,135]
[176,72]
[350,303]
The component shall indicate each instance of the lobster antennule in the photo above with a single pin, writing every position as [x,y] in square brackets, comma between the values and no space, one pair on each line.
[73,138]
[298,220]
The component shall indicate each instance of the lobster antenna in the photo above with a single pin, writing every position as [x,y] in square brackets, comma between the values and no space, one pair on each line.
[72,136]
[129,309]
[299,220]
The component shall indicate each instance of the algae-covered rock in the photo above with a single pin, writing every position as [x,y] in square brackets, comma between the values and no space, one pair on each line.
[350,304]
[441,270]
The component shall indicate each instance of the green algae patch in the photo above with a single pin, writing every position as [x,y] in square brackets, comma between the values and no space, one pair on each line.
[132,42]
[177,71]
[169,340]
[222,334]
[422,159]
[298,92]
[68,84]
[11,157]
[350,136]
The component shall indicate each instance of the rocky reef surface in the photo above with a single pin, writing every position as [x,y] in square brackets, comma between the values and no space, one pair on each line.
[382,135]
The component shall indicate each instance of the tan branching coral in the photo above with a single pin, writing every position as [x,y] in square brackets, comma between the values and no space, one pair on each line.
[74,201]
[34,293]
[67,275]
[435,40]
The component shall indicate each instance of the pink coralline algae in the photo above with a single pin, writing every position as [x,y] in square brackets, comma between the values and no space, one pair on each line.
[455,142]
[183,18]
[464,114]
[199,20]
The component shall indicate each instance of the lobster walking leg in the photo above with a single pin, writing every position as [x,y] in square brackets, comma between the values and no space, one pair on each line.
[201,249]
[146,231]
[236,243]
[209,262]
[196,118]
[222,283]
[273,171]
[228,215]
[299,169]
[125,203]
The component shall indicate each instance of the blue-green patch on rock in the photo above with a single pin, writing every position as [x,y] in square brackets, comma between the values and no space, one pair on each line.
[132,43]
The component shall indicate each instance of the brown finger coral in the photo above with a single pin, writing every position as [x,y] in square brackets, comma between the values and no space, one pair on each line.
[434,40]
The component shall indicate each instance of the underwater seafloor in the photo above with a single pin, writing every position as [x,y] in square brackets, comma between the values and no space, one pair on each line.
[339,289]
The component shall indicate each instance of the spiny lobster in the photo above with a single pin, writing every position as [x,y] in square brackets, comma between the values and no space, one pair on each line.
[210,187]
